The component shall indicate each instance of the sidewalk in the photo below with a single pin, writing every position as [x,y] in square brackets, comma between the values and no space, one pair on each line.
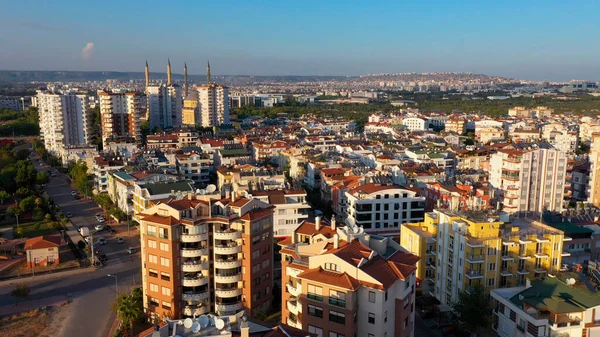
[11,309]
[47,276]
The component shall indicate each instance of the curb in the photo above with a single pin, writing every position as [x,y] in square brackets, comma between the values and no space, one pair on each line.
[27,278]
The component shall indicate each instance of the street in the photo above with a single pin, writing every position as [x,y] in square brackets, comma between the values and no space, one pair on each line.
[92,293]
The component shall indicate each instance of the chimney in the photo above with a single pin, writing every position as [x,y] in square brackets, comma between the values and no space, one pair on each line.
[293,237]
[244,328]
[190,196]
[333,223]
[317,223]
[233,196]
[336,241]
[172,192]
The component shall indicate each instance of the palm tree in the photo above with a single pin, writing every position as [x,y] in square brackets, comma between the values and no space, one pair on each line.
[129,309]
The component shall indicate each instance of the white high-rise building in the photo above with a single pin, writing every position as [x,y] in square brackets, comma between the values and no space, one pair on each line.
[530,177]
[165,105]
[213,104]
[64,120]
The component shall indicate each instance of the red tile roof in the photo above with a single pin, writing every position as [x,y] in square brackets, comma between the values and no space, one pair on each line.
[342,280]
[239,202]
[257,214]
[42,242]
[353,252]
[163,220]
[308,228]
[373,188]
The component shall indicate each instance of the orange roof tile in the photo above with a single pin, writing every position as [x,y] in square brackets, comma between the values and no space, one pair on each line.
[42,242]
[163,220]
[308,228]
[342,280]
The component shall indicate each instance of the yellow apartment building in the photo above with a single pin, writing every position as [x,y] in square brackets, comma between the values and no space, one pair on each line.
[460,250]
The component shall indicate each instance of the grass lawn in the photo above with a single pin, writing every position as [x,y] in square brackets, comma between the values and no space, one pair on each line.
[29,230]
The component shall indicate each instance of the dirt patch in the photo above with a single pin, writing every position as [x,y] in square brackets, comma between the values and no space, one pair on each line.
[35,323]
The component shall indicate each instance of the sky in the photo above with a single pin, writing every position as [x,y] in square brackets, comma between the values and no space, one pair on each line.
[526,39]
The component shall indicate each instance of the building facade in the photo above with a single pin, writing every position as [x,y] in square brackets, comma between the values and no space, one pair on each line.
[200,256]
[213,104]
[165,104]
[338,281]
[120,115]
[64,120]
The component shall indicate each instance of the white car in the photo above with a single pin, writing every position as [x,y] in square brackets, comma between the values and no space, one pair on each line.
[99,227]
[68,214]
[73,193]
[120,240]
[100,218]
[87,239]
[102,241]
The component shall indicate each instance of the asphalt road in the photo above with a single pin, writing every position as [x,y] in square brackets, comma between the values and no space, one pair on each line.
[92,293]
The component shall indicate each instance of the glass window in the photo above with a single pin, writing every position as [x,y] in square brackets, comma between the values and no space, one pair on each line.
[371,297]
[315,293]
[337,298]
[371,318]
[337,317]
[315,311]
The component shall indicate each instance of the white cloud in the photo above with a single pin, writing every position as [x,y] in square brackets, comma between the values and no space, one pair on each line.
[87,51]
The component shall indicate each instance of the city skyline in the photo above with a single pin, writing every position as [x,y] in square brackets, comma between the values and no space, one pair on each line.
[525,41]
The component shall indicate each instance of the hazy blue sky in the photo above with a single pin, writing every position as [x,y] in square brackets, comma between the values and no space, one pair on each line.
[556,40]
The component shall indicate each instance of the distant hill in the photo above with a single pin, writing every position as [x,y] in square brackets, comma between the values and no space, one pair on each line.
[15,76]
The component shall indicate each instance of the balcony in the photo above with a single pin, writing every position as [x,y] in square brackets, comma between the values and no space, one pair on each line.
[506,272]
[474,274]
[294,291]
[541,254]
[193,252]
[195,266]
[431,264]
[227,234]
[524,240]
[225,308]
[540,270]
[228,292]
[564,254]
[294,306]
[524,255]
[227,264]
[475,243]
[473,258]
[522,271]
[507,257]
[294,322]
[431,252]
[195,296]
[191,310]
[567,238]
[194,237]
[542,239]
[230,248]
[194,281]
[228,278]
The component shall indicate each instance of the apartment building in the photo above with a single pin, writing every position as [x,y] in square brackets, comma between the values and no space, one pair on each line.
[460,250]
[191,109]
[213,104]
[103,165]
[559,306]
[65,120]
[381,209]
[165,105]
[146,195]
[339,281]
[537,112]
[249,178]
[593,191]
[290,209]
[15,103]
[415,123]
[455,125]
[121,186]
[529,177]
[195,166]
[120,115]
[200,256]
[487,135]
[268,151]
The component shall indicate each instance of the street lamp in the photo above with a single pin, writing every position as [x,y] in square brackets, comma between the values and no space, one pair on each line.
[116,285]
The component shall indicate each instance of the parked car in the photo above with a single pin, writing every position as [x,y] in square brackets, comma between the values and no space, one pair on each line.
[99,217]
[107,227]
[99,227]
[120,240]
[130,250]
[73,193]
[87,239]
[102,241]
[112,231]
[69,214]
[53,174]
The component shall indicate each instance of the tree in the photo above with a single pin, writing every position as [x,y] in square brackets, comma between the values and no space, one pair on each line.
[13,211]
[80,244]
[48,218]
[23,192]
[3,196]
[472,309]
[129,309]
[22,154]
[42,178]
[27,204]
[21,291]
[103,199]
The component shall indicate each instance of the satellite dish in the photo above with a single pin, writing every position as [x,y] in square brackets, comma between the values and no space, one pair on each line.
[219,324]
[180,322]
[187,323]
[198,191]
[211,188]
[195,327]
[571,281]
[202,192]
[203,321]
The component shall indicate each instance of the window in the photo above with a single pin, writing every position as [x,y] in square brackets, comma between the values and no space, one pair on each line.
[337,317]
[315,311]
[491,282]
[151,244]
[166,291]
[163,233]
[266,263]
[335,334]
[492,266]
[256,253]
[371,297]
[332,266]
[406,322]
[337,298]
[152,231]
[386,295]
[315,330]
[165,276]
[153,287]
[256,281]
[164,247]
[371,318]
[153,272]
[153,301]
[152,258]
[166,305]
[315,293]
[164,262]
[385,317]
[371,335]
